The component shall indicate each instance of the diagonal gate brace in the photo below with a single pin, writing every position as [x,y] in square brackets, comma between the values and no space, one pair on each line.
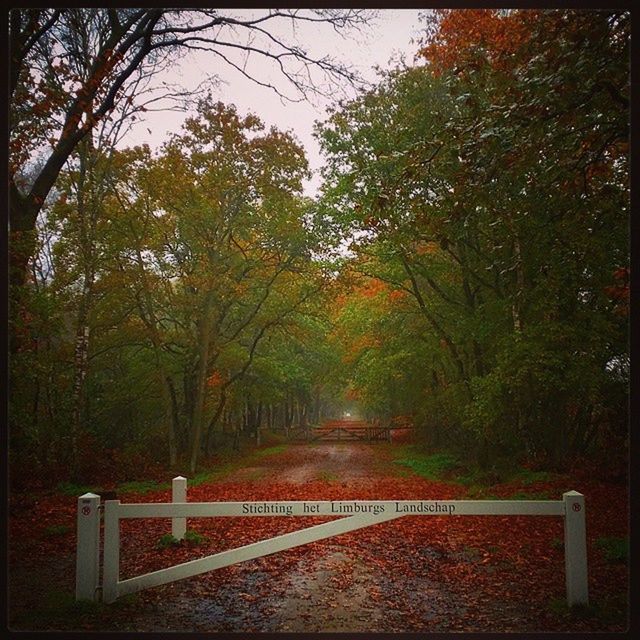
[248,552]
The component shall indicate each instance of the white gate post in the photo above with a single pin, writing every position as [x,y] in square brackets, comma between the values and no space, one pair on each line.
[88,547]
[178,494]
[111,568]
[575,548]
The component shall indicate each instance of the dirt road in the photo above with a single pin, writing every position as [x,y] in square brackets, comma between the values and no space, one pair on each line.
[410,574]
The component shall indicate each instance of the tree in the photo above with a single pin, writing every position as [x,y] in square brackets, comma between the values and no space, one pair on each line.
[72,68]
[209,239]
[490,186]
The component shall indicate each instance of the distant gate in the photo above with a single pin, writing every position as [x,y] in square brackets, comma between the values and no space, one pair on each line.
[359,514]
[347,430]
[351,430]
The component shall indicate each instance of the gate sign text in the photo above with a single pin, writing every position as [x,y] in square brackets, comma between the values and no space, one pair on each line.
[346,508]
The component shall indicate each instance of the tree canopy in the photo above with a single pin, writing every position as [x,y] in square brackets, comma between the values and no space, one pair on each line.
[488,188]
[465,267]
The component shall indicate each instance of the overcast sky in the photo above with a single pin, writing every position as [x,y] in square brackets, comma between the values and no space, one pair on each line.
[381,43]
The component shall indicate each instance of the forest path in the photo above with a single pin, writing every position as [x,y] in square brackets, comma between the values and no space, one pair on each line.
[323,461]
[412,574]
[323,587]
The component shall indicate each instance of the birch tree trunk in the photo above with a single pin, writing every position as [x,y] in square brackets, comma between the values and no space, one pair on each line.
[87,217]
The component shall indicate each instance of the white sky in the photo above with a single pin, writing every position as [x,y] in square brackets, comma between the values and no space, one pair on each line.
[379,44]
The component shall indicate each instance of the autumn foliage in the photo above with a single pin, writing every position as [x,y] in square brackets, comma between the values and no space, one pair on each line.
[488,190]
[482,573]
[462,277]
[464,38]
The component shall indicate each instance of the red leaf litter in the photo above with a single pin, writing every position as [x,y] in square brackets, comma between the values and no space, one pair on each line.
[415,573]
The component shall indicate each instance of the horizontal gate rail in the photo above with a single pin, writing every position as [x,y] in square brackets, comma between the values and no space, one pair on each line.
[351,515]
[342,508]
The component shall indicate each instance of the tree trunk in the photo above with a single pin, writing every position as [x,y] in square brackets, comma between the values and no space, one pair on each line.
[296,413]
[87,218]
[204,340]
[258,423]
[236,435]
[516,308]
[168,419]
[23,212]
[219,412]
[259,413]
[443,335]
[484,453]
[288,415]
[148,316]
[78,397]
[175,422]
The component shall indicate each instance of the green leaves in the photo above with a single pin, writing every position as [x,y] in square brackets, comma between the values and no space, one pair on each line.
[490,191]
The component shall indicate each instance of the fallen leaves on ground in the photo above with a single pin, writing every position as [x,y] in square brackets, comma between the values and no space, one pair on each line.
[434,573]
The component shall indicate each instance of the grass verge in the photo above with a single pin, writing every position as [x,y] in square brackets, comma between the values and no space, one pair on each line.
[433,466]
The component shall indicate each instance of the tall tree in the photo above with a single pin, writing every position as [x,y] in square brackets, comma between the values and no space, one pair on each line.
[72,68]
[490,186]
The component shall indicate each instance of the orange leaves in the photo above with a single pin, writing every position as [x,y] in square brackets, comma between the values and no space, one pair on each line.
[458,31]
[353,394]
[372,222]
[215,380]
[622,274]
[397,296]
[465,33]
[471,573]
[402,421]
[619,292]
[372,288]
[358,345]
[598,169]
[427,248]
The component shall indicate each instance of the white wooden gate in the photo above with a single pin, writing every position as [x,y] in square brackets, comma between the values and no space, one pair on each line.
[356,514]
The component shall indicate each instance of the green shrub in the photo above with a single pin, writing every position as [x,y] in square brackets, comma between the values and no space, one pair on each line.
[475,492]
[55,530]
[142,486]
[614,549]
[557,543]
[270,451]
[72,489]
[200,478]
[538,495]
[526,476]
[560,607]
[60,609]
[191,538]
[194,539]
[610,609]
[167,540]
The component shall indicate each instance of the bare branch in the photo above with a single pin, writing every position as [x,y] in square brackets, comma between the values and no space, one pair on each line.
[79,65]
